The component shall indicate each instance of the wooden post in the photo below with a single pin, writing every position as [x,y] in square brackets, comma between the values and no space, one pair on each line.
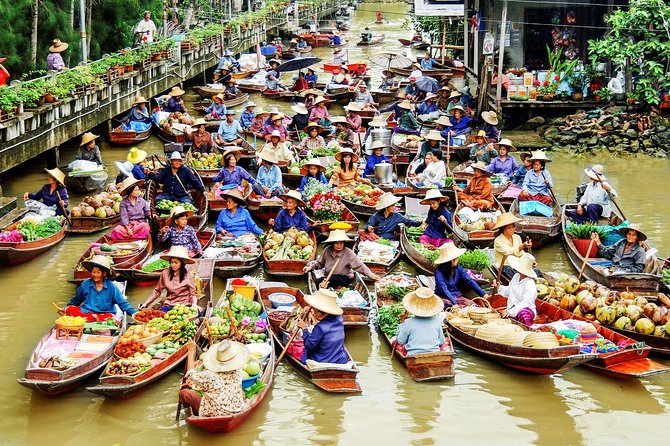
[501,53]
[444,37]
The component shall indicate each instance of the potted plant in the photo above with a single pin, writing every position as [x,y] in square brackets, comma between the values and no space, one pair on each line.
[581,237]
[597,78]
[547,92]
[631,98]
[603,94]
[31,93]
[577,82]
[9,102]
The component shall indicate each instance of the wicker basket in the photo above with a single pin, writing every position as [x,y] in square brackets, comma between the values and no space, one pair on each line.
[470,329]
[477,313]
[151,340]
[488,317]
[459,321]
[69,331]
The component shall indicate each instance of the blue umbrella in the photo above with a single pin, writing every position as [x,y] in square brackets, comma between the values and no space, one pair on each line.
[298,63]
[427,84]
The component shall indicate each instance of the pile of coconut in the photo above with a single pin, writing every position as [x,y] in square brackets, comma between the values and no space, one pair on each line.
[102,205]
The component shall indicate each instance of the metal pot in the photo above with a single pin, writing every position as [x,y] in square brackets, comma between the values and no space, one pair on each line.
[379,134]
[384,173]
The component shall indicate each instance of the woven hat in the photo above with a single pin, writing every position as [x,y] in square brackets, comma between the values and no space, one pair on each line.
[136,155]
[433,194]
[261,112]
[417,65]
[430,96]
[505,219]
[278,117]
[176,91]
[229,112]
[295,195]
[235,195]
[219,96]
[104,262]
[324,300]
[377,121]
[319,99]
[226,356]
[176,156]
[401,94]
[523,264]
[292,41]
[226,66]
[422,302]
[179,252]
[445,88]
[57,174]
[480,165]
[448,252]
[345,68]
[275,134]
[345,150]
[524,155]
[434,135]
[337,235]
[129,184]
[595,172]
[507,143]
[57,46]
[387,199]
[299,108]
[235,152]
[228,52]
[482,134]
[352,106]
[465,90]
[199,121]
[274,61]
[250,104]
[88,137]
[313,125]
[405,104]
[177,212]
[315,162]
[641,236]
[539,155]
[140,100]
[268,156]
[455,94]
[340,120]
[378,145]
[124,167]
[310,91]
[457,107]
[443,120]
[490,117]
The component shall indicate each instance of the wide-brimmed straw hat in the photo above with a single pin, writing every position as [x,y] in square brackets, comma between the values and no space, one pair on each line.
[448,252]
[340,120]
[57,46]
[595,172]
[128,185]
[337,235]
[319,99]
[88,137]
[430,96]
[313,125]
[277,117]
[405,105]
[443,120]
[199,121]
[378,145]
[235,195]
[505,219]
[176,91]
[219,96]
[343,151]
[125,167]
[178,252]
[434,135]
[455,94]
[641,236]
[324,300]
[310,91]
[490,117]
[136,155]
[226,356]
[140,100]
[250,104]
[295,195]
[523,264]
[352,106]
[237,153]
[377,121]
[417,65]
[177,212]
[422,302]
[433,194]
[400,94]
[260,112]
[268,156]
[299,108]
[457,107]
[482,134]
[315,162]
[57,174]
[480,165]
[507,143]
[539,155]
[104,262]
[387,199]
[229,112]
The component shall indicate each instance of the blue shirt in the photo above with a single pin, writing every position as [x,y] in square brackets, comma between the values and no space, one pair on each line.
[534,184]
[173,105]
[220,109]
[392,107]
[172,186]
[311,78]
[508,167]
[447,287]
[321,177]
[270,178]
[229,131]
[50,199]
[427,64]
[519,175]
[425,108]
[326,341]
[90,300]
[246,119]
[492,132]
[372,161]
[238,174]
[421,334]
[386,227]
[237,224]
[284,221]
[435,228]
[464,123]
[138,172]
[411,89]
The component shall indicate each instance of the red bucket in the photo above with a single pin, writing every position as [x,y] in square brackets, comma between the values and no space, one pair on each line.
[582,246]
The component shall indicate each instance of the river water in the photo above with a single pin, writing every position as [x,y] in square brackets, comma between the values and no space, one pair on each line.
[483,404]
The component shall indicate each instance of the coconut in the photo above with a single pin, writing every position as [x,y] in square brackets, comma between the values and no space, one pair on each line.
[657,315]
[623,323]
[648,310]
[100,213]
[568,302]
[633,312]
[620,309]
[644,326]
[109,211]
[571,285]
[88,211]
[563,277]
[559,284]
[107,202]
[590,317]
[665,315]
[581,295]
[611,298]
[557,293]
[578,311]
[664,300]
[659,331]
[542,290]
[96,203]
[554,302]
[640,301]
[606,315]
[627,295]
[116,207]
[76,212]
[588,303]
[541,280]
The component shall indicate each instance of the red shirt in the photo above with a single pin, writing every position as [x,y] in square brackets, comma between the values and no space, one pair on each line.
[4,75]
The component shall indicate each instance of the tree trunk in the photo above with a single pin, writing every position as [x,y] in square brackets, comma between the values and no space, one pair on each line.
[33,34]
[89,30]
[71,16]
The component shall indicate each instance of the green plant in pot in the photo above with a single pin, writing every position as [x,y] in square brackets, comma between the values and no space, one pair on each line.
[581,237]
[31,93]
[603,94]
[577,82]
[9,101]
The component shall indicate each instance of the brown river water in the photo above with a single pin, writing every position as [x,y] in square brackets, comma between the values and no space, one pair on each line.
[483,404]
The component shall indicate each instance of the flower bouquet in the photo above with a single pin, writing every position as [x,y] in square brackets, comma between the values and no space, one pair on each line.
[326,206]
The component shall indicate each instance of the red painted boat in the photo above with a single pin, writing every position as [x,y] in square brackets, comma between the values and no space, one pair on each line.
[119,137]
[330,67]
[128,253]
[199,218]
[353,316]
[15,253]
[288,268]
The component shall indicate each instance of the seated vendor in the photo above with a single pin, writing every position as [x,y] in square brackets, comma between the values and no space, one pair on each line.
[537,183]
[176,280]
[424,332]
[377,157]
[438,222]
[478,194]
[626,255]
[450,277]
[315,171]
[178,232]
[324,342]
[235,220]
[134,212]
[292,215]
[384,223]
[521,292]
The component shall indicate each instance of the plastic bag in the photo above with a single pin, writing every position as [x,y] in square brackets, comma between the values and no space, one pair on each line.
[83,165]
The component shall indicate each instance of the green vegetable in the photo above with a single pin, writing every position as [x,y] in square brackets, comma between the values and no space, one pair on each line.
[584,231]
[396,291]
[155,265]
[476,260]
[665,276]
[389,318]
[426,251]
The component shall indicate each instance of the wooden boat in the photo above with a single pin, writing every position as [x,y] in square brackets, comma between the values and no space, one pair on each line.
[330,67]
[460,153]
[171,136]
[347,216]
[381,268]
[201,106]
[291,180]
[629,363]
[120,137]
[263,210]
[90,359]
[460,172]
[87,182]
[376,40]
[359,210]
[243,74]
[128,254]
[334,379]
[235,267]
[384,96]
[414,256]
[438,74]
[639,283]
[89,225]
[474,239]
[248,87]
[540,230]
[353,316]
[315,39]
[219,204]
[199,218]
[342,44]
[208,92]
[15,253]
[288,268]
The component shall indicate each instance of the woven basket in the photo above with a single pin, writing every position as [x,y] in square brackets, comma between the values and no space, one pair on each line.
[151,340]
[514,338]
[470,329]
[69,331]
[477,313]
[459,321]
[491,332]
[540,339]
[488,317]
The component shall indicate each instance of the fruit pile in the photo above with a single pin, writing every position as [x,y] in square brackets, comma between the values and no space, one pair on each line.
[147,315]
[252,368]
[29,230]
[138,333]
[291,245]
[71,321]
[129,349]
[162,350]
[164,206]
[181,332]
[123,367]
[102,205]
[363,194]
[180,313]
[206,161]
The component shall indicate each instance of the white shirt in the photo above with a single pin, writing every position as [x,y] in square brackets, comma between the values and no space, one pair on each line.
[416,73]
[520,294]
[147,29]
[281,153]
[434,173]
[596,194]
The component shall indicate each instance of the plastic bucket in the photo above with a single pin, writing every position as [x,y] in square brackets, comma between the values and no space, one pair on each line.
[245,290]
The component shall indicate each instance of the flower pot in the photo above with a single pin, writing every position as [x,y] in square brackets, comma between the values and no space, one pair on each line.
[582,246]
[577,96]
[156,57]
[49,98]
[597,97]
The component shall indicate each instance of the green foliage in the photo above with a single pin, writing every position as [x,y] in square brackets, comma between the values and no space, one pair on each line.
[604,93]
[578,80]
[9,99]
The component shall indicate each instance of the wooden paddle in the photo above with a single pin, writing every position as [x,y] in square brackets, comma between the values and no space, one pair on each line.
[67,217]
[530,248]
[395,341]
[611,196]
[551,191]
[500,268]
[581,270]
[324,284]
[59,310]
[307,309]
[209,332]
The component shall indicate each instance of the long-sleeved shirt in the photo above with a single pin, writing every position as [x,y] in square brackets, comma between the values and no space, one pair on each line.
[520,175]
[51,199]
[346,137]
[480,188]
[349,262]
[632,260]
[486,156]
[596,194]
[520,294]
[89,155]
[225,176]
[427,64]
[462,124]
[447,287]
[407,121]
[434,173]
[355,122]
[135,114]
[174,105]
[320,177]
[385,227]
[218,110]
[310,144]
[435,228]
[300,121]
[427,147]
[426,108]
[228,131]
[311,78]
[131,212]
[172,186]
[319,112]
[237,224]
[90,300]
[280,151]
[257,125]
[177,292]
[187,238]
[492,132]
[372,161]
[325,342]
[534,183]
[508,167]
[201,141]
[421,334]
[411,89]
[503,247]
[342,178]
[55,62]
[285,221]
[270,178]
[393,107]
[283,131]
[138,172]
[363,98]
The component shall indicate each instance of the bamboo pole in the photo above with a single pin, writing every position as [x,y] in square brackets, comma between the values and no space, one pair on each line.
[501,53]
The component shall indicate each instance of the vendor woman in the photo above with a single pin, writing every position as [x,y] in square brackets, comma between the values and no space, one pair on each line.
[292,215]
[504,163]
[324,342]
[313,139]
[315,171]
[537,183]
[178,283]
[346,173]
[134,211]
[235,220]
[179,233]
[626,255]
[384,223]
[451,279]
[478,194]
[231,173]
[422,333]
[438,222]
[507,243]
[53,193]
[521,292]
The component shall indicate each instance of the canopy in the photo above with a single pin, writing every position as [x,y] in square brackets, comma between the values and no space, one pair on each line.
[388,60]
[298,63]
[428,84]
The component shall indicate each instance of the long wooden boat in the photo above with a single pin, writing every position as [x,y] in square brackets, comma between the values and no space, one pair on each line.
[15,253]
[413,255]
[85,183]
[90,358]
[330,67]
[263,210]
[207,92]
[89,225]
[639,283]
[243,74]
[359,210]
[474,239]
[323,227]
[439,74]
[353,316]
[384,96]
[120,137]
[199,218]
[376,40]
[378,267]
[225,268]
[460,153]
[333,379]
[219,204]
[540,230]
[230,103]
[288,268]
[169,136]
[249,87]
[460,172]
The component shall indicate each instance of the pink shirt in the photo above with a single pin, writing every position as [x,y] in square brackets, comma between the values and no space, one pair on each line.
[318,113]
[177,292]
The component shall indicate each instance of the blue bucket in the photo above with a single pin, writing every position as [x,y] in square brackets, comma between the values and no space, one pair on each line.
[535,208]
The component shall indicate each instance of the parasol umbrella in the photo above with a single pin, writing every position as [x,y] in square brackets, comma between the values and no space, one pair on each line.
[298,63]
[388,60]
[427,84]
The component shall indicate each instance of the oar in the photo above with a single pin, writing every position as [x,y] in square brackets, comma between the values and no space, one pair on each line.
[155,157]
[324,284]
[500,268]
[611,196]
[395,341]
[551,191]
[59,310]
[67,217]
[530,249]
[209,332]
[295,332]
[581,270]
